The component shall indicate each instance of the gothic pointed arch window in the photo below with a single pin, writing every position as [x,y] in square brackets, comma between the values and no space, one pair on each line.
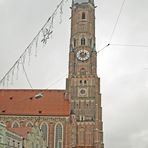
[44,129]
[29,124]
[58,136]
[15,124]
[82,41]
[33,146]
[83,15]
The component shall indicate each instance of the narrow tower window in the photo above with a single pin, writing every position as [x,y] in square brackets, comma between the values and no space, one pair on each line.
[87,105]
[83,41]
[83,15]
[74,43]
[91,42]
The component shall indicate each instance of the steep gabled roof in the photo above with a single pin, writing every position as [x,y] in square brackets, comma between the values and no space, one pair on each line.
[34,103]
[21,131]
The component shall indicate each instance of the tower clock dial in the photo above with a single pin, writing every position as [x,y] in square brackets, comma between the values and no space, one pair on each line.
[83,92]
[83,55]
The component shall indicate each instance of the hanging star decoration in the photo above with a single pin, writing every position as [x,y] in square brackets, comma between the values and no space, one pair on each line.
[46,35]
[43,35]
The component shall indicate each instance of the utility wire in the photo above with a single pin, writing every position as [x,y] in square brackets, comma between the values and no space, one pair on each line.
[22,54]
[56,81]
[26,76]
[40,92]
[35,38]
[117,21]
[131,45]
[124,45]
[103,48]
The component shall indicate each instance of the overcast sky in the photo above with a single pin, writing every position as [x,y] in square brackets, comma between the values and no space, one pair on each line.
[123,70]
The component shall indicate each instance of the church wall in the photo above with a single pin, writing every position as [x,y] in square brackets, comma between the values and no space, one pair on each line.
[50,121]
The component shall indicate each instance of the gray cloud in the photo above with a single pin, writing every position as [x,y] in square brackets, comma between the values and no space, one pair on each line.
[124,77]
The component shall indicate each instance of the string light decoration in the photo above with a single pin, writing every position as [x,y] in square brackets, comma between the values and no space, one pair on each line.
[44,34]
[42,38]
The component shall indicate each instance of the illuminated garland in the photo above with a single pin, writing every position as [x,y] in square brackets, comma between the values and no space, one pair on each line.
[43,34]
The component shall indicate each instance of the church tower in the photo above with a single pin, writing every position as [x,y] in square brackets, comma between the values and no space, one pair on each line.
[83,84]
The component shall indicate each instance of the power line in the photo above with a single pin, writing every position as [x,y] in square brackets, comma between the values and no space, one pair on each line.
[103,48]
[117,21]
[45,31]
[124,45]
[27,76]
[130,45]
[39,93]
[56,81]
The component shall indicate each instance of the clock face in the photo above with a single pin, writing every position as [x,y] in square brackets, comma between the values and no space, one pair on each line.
[83,55]
[83,92]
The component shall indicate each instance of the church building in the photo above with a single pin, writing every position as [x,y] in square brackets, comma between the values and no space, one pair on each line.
[70,118]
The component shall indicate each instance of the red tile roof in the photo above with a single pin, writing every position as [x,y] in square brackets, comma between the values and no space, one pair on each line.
[30,102]
[21,131]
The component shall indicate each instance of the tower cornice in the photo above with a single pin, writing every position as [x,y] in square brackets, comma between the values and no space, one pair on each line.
[83,2]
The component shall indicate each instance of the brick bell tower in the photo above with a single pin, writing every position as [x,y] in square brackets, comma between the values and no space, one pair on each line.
[83,84]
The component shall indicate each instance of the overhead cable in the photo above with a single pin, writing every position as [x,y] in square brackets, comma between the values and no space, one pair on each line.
[117,21]
[56,81]
[143,46]
[27,76]
[40,93]
[103,48]
[44,34]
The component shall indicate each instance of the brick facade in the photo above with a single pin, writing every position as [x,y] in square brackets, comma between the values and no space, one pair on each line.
[70,118]
[83,84]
